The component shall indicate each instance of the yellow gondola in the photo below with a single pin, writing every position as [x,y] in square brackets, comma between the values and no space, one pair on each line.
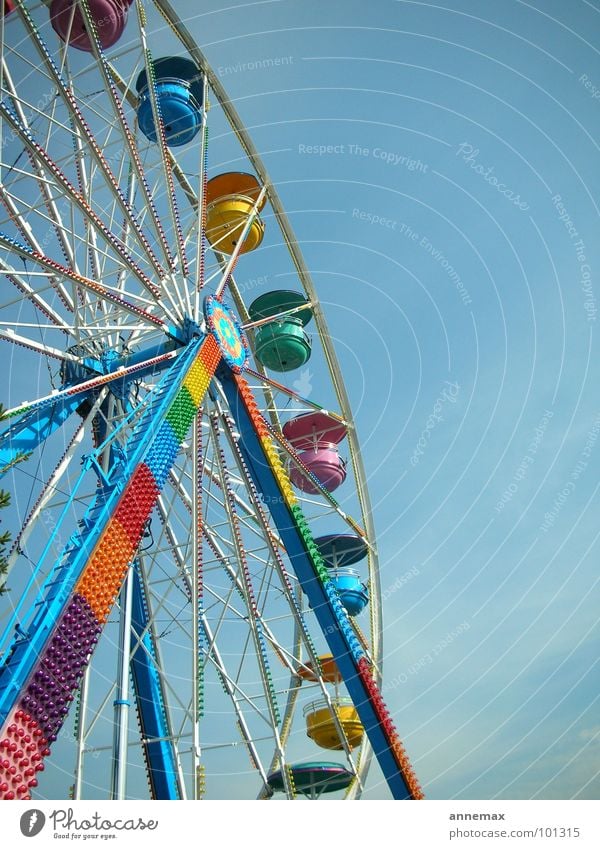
[321,727]
[230,199]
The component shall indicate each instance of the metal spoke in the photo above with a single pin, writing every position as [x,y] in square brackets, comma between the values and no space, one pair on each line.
[92,145]
[126,134]
[41,155]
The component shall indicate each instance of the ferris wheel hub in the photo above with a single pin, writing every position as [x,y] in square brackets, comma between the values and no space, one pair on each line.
[223,324]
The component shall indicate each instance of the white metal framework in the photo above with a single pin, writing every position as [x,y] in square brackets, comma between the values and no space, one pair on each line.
[103,258]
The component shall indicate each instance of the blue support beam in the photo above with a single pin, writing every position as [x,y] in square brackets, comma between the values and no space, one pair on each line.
[24,435]
[149,694]
[337,632]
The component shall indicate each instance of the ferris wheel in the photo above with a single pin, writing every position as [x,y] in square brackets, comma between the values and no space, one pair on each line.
[191,612]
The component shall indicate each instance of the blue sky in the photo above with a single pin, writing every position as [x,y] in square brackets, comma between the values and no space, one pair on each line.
[439,166]
[460,122]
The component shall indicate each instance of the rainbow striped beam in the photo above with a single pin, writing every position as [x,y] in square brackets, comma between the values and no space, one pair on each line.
[34,721]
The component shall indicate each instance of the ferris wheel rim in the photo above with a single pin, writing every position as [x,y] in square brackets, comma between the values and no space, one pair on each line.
[334,368]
